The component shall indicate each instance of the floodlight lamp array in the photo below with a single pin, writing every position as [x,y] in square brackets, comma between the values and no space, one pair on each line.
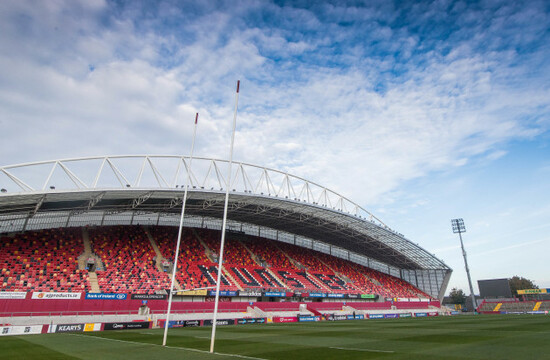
[458,226]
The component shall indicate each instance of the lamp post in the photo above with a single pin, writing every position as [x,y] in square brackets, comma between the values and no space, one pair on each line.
[459,227]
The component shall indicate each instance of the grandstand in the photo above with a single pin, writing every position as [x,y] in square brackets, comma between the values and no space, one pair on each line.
[81,226]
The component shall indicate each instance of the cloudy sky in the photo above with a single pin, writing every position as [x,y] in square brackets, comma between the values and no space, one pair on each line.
[421,111]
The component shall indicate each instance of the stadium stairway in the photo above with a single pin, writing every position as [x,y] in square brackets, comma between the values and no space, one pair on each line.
[209,252]
[232,280]
[94,284]
[92,276]
[257,312]
[537,306]
[347,280]
[88,253]
[155,247]
[313,310]
[497,308]
[252,255]
[87,250]
[160,258]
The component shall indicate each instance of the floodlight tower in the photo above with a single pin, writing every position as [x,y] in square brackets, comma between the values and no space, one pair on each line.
[459,227]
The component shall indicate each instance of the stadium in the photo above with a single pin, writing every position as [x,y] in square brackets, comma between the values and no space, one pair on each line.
[88,246]
[265,206]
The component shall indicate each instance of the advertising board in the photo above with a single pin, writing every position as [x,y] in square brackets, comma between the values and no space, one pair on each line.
[250,293]
[250,321]
[105,296]
[92,327]
[532,291]
[308,318]
[148,297]
[60,328]
[127,325]
[285,319]
[20,330]
[202,292]
[317,295]
[274,294]
[367,296]
[391,316]
[12,295]
[220,322]
[336,296]
[376,316]
[55,295]
[223,293]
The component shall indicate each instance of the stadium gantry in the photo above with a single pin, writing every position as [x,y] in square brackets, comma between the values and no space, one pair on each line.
[148,190]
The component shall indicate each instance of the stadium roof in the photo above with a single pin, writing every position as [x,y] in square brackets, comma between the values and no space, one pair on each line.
[154,184]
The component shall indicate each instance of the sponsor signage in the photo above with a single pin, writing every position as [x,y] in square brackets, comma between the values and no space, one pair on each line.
[339,296]
[285,319]
[532,291]
[422,314]
[250,293]
[20,330]
[191,323]
[92,327]
[308,318]
[69,328]
[352,296]
[127,325]
[376,316]
[55,295]
[433,313]
[317,295]
[251,321]
[105,296]
[176,323]
[391,316]
[148,297]
[405,315]
[513,312]
[219,322]
[274,294]
[12,295]
[183,323]
[337,317]
[455,313]
[356,317]
[223,293]
[367,296]
[202,292]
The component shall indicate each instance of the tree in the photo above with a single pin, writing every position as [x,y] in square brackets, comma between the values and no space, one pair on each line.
[457,296]
[520,283]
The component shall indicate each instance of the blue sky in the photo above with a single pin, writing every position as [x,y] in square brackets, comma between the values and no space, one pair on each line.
[421,111]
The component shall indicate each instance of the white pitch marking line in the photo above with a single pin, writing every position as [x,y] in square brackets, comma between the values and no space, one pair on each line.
[367,350]
[173,347]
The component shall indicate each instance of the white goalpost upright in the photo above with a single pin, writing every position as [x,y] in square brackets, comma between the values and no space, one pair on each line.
[175,264]
[220,258]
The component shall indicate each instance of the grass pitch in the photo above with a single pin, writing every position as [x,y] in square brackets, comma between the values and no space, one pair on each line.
[463,337]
